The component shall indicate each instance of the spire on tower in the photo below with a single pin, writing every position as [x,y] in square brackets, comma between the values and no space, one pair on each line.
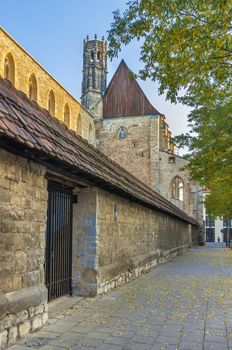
[94,71]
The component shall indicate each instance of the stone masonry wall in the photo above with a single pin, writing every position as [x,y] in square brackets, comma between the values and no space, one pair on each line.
[23,206]
[132,239]
[25,65]
[134,151]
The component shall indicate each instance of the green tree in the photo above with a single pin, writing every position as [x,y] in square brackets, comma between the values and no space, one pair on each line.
[187,46]
[184,44]
[210,160]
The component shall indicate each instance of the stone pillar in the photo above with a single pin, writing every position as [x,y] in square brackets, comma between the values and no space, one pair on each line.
[84,243]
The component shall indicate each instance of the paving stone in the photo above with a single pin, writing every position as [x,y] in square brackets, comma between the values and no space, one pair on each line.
[109,347]
[163,309]
[215,346]
[137,346]
[167,340]
[215,339]
[117,340]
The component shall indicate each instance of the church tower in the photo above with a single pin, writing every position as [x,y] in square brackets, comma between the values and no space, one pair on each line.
[94,72]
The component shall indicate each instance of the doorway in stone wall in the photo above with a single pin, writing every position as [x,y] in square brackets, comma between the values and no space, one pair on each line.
[58,261]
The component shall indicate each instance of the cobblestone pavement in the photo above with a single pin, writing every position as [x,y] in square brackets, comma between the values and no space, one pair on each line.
[184,304]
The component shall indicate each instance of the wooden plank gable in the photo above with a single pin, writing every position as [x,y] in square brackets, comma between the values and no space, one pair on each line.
[124,97]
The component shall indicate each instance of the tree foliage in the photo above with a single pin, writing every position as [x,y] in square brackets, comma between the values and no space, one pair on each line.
[184,43]
[211,155]
[187,46]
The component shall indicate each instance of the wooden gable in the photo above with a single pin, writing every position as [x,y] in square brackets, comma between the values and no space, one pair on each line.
[124,97]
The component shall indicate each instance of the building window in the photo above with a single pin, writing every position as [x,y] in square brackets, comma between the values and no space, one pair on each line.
[209,221]
[67,115]
[92,55]
[79,125]
[91,134]
[178,188]
[122,134]
[51,103]
[172,160]
[210,234]
[9,68]
[33,87]
[98,56]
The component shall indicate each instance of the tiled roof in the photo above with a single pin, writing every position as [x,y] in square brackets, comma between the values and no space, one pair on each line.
[26,124]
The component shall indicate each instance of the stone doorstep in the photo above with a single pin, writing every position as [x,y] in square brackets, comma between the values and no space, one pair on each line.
[60,305]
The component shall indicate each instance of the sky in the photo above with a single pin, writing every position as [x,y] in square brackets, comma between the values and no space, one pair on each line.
[52,31]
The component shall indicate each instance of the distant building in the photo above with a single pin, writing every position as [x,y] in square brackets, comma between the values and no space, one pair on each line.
[215,229]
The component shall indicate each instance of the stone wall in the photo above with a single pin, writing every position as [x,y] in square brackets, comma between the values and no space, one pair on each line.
[117,239]
[23,206]
[132,239]
[25,65]
[134,151]
[140,153]
[170,166]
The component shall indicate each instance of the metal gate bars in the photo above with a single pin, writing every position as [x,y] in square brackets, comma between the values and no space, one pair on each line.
[58,272]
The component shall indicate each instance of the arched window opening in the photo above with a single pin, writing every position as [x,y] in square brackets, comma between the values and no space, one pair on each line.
[33,87]
[122,133]
[67,115]
[51,103]
[9,68]
[178,188]
[92,55]
[98,56]
[91,134]
[79,125]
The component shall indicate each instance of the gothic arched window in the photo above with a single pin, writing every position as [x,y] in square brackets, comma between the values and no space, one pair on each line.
[67,115]
[51,103]
[92,55]
[9,68]
[122,133]
[91,133]
[79,125]
[99,56]
[178,188]
[33,87]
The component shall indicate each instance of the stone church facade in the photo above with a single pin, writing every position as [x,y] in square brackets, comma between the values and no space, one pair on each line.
[133,133]
[72,220]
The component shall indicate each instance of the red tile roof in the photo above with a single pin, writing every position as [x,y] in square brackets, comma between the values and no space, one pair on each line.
[25,124]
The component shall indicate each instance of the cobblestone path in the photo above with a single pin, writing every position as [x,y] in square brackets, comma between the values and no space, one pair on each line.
[184,304]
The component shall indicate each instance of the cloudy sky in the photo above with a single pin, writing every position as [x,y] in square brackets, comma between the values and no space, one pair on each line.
[52,31]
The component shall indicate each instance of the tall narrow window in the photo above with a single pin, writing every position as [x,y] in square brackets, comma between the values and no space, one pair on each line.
[98,56]
[79,125]
[178,188]
[33,87]
[51,103]
[92,55]
[122,134]
[91,134]
[67,115]
[9,68]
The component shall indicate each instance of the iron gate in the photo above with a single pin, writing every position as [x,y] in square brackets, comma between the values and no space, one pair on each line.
[58,241]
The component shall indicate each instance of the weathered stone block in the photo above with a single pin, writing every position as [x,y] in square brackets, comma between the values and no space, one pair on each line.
[24,329]
[3,305]
[4,195]
[21,316]
[23,299]
[12,335]
[3,339]
[44,318]
[39,309]
[31,279]
[36,323]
